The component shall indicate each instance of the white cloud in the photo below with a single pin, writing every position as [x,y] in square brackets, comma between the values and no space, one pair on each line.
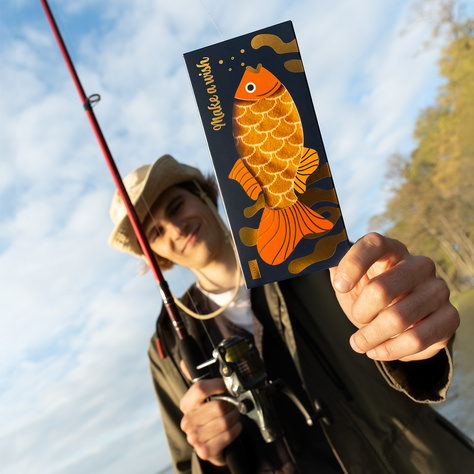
[75,390]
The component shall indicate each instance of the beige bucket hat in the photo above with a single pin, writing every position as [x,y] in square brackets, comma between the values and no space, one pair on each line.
[144,186]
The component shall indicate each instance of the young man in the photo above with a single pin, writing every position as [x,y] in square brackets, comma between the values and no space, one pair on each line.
[367,340]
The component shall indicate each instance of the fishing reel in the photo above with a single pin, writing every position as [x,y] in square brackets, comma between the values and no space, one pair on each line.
[248,386]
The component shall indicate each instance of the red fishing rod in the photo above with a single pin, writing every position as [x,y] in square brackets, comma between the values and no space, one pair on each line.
[189,350]
[145,246]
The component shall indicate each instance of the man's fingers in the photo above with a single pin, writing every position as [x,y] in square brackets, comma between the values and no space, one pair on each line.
[213,448]
[362,256]
[424,339]
[384,290]
[199,392]
[204,429]
[401,315]
[212,425]
[210,428]
[408,290]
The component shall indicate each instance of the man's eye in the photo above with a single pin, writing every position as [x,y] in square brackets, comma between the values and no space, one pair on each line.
[156,233]
[175,209]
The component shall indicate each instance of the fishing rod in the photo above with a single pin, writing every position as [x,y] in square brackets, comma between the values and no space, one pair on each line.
[189,350]
[87,103]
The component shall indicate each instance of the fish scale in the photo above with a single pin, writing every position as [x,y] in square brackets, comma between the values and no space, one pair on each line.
[261,143]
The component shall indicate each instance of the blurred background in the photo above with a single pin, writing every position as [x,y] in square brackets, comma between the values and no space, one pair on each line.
[392,84]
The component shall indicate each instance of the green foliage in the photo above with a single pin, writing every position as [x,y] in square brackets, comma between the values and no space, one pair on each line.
[432,204]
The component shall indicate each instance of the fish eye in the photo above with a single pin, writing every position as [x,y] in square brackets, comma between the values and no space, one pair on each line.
[250,87]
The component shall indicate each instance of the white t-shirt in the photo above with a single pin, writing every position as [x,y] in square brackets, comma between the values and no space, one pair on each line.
[239,311]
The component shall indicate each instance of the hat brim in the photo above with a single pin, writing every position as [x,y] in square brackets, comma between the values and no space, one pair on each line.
[163,174]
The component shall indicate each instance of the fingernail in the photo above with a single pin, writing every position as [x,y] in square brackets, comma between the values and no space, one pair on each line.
[372,354]
[354,346]
[341,284]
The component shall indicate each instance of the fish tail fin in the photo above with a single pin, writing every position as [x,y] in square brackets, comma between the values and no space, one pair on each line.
[280,230]
[243,176]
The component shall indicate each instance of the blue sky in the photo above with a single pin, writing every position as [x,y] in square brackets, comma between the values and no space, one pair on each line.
[75,391]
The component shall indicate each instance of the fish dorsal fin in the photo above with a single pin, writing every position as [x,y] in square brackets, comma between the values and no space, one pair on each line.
[243,176]
[308,165]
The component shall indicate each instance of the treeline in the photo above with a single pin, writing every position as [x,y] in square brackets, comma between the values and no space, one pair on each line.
[431,207]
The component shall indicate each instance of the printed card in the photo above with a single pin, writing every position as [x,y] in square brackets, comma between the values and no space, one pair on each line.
[268,155]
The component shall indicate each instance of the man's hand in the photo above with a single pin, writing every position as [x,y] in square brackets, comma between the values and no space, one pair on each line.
[401,309]
[209,426]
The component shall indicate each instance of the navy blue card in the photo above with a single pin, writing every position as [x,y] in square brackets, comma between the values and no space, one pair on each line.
[268,155]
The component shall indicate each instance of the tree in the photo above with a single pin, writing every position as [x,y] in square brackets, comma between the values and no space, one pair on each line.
[432,194]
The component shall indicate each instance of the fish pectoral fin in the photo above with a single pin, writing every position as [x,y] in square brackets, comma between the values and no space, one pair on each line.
[281,230]
[243,176]
[308,165]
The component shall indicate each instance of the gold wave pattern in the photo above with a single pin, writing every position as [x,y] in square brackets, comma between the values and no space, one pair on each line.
[274,42]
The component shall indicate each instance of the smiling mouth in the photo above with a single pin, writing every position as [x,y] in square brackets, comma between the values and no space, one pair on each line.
[191,239]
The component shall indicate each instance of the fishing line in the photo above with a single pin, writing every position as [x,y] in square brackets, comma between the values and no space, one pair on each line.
[65,31]
[210,17]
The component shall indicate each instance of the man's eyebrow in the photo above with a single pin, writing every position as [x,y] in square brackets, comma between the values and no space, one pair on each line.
[172,202]
[168,206]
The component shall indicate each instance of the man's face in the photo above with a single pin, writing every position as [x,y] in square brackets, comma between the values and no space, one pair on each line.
[183,229]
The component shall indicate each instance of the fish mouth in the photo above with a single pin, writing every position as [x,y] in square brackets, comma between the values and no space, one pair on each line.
[269,90]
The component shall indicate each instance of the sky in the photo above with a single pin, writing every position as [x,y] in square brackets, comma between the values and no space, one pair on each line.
[76,317]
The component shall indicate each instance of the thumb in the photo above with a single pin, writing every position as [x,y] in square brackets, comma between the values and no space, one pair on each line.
[339,281]
[185,370]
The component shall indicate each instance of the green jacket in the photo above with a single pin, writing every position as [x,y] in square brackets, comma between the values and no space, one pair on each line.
[381,420]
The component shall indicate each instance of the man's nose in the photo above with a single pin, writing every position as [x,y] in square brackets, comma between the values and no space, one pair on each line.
[176,229]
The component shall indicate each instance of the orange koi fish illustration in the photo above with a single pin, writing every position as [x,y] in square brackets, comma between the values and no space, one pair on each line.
[268,135]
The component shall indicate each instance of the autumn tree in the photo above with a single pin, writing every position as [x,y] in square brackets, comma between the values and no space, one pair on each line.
[431,207]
